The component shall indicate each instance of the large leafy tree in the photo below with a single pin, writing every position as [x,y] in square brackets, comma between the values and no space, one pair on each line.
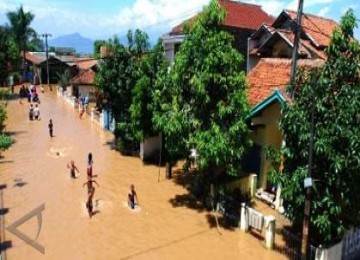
[20,27]
[8,54]
[142,106]
[202,100]
[117,78]
[335,91]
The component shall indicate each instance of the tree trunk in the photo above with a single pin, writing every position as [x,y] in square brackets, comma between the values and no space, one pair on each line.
[168,169]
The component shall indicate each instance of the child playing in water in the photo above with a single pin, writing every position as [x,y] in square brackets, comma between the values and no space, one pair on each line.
[51,128]
[89,165]
[132,196]
[72,168]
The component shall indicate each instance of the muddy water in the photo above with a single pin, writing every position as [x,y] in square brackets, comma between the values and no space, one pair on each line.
[34,171]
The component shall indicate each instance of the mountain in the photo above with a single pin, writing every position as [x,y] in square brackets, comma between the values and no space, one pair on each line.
[80,44]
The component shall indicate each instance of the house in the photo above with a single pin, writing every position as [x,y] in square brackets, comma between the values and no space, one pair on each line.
[241,21]
[269,65]
[83,82]
[37,63]
[277,40]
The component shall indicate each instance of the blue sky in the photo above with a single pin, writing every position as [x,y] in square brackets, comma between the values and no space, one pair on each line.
[101,19]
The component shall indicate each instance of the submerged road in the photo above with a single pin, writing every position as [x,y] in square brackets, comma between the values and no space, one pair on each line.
[33,172]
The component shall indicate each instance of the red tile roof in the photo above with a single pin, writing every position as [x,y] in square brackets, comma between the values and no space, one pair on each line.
[86,63]
[305,48]
[320,29]
[85,77]
[32,58]
[240,15]
[271,74]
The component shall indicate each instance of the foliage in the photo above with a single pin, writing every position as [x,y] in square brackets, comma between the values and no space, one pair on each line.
[117,78]
[335,90]
[64,79]
[201,100]
[3,116]
[142,97]
[97,47]
[20,28]
[36,43]
[5,142]
[8,54]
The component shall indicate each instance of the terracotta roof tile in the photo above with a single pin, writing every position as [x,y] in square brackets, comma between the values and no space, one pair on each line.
[306,47]
[32,58]
[320,29]
[85,77]
[240,15]
[271,74]
[86,63]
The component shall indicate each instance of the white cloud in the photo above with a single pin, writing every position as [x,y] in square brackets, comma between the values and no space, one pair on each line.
[324,11]
[58,18]
[146,13]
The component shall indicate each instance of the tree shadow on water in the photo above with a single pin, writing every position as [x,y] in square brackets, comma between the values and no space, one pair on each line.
[14,133]
[187,200]
[186,179]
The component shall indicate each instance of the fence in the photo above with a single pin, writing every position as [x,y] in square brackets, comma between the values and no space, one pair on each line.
[290,245]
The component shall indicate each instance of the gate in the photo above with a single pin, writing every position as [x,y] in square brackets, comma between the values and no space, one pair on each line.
[292,246]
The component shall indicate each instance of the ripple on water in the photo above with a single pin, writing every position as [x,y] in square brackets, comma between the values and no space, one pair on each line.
[62,149]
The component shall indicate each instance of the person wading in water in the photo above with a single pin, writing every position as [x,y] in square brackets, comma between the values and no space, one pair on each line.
[72,168]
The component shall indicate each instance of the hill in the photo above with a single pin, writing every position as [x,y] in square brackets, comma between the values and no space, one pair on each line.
[81,44]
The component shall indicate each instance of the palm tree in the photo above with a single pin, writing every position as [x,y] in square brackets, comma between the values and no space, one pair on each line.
[20,27]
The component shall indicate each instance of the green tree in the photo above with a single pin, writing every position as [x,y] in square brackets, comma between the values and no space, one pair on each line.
[335,91]
[8,55]
[20,27]
[3,114]
[142,106]
[35,43]
[117,78]
[64,79]
[97,46]
[5,142]
[202,100]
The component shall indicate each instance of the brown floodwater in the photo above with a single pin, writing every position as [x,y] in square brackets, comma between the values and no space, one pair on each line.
[163,227]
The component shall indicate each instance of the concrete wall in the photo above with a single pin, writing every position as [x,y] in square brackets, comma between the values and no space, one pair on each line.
[266,132]
[332,253]
[150,146]
[246,184]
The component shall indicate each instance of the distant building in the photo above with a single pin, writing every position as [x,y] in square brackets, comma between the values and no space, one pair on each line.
[241,21]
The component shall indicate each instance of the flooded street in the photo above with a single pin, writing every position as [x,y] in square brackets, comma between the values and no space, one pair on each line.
[35,171]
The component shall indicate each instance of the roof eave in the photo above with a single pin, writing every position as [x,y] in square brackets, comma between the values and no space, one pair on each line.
[275,96]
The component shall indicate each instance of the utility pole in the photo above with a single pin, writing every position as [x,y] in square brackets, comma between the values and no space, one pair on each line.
[46,35]
[308,181]
[297,32]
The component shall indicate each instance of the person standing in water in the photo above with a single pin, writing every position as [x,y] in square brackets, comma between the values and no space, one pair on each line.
[91,192]
[72,168]
[89,165]
[36,112]
[132,196]
[51,128]
[31,112]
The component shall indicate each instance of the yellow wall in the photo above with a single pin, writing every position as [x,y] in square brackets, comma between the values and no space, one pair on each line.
[269,134]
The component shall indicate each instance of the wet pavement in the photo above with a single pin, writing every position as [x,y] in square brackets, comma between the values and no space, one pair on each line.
[164,226]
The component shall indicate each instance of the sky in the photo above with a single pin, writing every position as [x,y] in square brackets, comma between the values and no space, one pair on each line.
[102,19]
